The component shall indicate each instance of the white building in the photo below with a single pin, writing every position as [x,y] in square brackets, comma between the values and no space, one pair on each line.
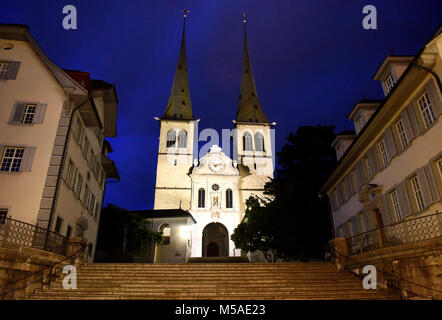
[214,188]
[53,157]
[391,170]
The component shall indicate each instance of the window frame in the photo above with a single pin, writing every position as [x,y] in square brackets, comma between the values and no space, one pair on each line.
[58,224]
[201,198]
[417,193]
[4,70]
[389,82]
[426,110]
[171,143]
[13,158]
[383,151]
[229,198]
[400,129]
[247,141]
[395,205]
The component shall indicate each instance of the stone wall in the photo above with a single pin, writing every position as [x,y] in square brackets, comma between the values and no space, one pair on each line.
[415,268]
[17,262]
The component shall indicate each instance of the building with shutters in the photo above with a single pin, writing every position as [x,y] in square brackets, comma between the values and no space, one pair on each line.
[53,157]
[390,169]
[212,188]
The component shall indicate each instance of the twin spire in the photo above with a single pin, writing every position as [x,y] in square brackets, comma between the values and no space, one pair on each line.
[179,105]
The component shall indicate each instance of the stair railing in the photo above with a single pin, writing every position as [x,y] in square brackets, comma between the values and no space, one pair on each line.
[45,281]
[396,278]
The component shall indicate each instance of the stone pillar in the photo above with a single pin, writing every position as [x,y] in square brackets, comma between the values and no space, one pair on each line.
[339,252]
[74,245]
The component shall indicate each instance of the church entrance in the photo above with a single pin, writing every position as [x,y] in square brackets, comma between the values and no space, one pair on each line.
[215,240]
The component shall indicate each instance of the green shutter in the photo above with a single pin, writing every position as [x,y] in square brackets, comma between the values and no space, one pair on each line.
[17,112]
[40,110]
[13,70]
[432,183]
[386,212]
[434,98]
[28,159]
[407,125]
[413,119]
[403,199]
[423,183]
[389,143]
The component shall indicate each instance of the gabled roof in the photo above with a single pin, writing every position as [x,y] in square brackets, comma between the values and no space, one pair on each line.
[389,59]
[249,108]
[367,103]
[179,105]
[69,85]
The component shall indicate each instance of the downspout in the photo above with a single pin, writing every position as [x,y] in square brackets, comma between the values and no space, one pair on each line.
[63,158]
[431,72]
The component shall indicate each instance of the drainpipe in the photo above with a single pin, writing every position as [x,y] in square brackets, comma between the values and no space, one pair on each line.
[63,158]
[429,71]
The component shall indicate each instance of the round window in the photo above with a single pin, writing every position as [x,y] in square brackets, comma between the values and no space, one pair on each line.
[215,187]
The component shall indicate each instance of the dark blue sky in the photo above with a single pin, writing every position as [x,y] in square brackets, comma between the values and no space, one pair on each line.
[312,60]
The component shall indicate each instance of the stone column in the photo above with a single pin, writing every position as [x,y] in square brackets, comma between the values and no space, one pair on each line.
[339,252]
[74,245]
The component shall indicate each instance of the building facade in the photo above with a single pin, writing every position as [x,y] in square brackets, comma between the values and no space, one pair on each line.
[53,156]
[212,189]
[391,169]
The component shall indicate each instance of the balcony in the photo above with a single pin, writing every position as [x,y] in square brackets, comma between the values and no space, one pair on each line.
[407,231]
[27,235]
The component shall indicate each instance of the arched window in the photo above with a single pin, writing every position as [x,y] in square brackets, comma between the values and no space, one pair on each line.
[201,198]
[259,142]
[182,139]
[165,230]
[247,141]
[171,139]
[229,198]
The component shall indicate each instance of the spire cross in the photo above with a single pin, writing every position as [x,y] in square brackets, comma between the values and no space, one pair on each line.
[185,12]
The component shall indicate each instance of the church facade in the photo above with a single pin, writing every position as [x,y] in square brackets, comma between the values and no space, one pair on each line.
[199,201]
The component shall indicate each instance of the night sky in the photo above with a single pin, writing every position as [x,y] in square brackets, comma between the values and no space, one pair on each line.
[312,60]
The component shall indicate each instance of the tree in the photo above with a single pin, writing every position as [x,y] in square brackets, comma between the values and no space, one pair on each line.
[297,217]
[255,232]
[123,234]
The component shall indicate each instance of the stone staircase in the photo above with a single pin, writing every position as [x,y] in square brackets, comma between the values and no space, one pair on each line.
[212,281]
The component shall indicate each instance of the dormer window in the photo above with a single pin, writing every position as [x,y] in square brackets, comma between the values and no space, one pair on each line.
[359,124]
[389,82]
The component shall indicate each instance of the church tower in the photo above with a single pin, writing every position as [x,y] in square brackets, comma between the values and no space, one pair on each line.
[177,141]
[254,138]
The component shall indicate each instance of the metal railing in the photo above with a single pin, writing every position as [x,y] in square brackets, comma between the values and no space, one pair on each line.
[407,231]
[28,235]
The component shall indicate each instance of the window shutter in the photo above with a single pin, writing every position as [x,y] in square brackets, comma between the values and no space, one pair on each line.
[373,159]
[13,70]
[17,112]
[66,168]
[359,176]
[1,152]
[423,183]
[432,183]
[413,120]
[39,113]
[347,187]
[389,143]
[434,98]
[407,125]
[28,158]
[386,211]
[404,202]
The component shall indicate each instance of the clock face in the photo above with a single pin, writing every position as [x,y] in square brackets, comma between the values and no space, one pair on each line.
[216,165]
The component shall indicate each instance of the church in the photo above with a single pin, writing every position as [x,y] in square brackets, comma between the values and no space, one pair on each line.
[199,201]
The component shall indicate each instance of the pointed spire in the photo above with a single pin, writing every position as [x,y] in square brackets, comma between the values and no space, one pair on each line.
[249,108]
[179,105]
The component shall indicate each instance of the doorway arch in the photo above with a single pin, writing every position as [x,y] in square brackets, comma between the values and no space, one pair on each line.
[215,240]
